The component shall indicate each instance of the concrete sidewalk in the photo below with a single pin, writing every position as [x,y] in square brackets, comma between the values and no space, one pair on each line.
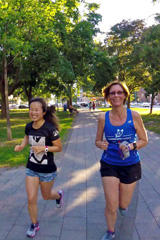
[82,216]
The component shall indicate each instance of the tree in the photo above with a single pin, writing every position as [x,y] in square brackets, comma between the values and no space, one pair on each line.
[103,69]
[36,24]
[77,51]
[149,51]
[25,24]
[120,42]
[18,25]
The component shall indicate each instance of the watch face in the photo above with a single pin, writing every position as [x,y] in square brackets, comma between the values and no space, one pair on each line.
[134,145]
[46,149]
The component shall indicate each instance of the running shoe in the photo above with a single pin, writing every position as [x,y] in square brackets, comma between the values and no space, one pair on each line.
[32,229]
[59,202]
[109,236]
[122,211]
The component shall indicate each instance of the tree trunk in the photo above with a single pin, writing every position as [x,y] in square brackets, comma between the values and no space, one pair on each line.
[2,92]
[28,93]
[151,106]
[3,105]
[70,94]
[128,102]
[9,133]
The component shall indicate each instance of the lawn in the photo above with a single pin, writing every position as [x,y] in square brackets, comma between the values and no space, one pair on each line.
[19,118]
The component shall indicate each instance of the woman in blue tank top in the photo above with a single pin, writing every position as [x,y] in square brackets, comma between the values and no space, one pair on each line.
[120,169]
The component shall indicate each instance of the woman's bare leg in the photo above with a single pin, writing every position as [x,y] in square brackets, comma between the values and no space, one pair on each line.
[111,186]
[125,194]
[32,186]
[48,192]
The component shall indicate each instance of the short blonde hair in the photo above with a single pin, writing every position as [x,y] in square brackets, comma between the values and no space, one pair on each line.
[107,88]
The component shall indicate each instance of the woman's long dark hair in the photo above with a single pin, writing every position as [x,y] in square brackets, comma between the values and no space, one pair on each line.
[50,112]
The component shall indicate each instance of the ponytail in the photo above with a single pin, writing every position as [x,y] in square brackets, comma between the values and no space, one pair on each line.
[52,118]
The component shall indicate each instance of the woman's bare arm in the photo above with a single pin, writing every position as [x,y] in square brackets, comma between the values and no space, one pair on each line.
[99,142]
[140,130]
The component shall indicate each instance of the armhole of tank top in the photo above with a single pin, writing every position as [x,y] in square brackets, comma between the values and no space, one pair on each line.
[131,117]
[106,115]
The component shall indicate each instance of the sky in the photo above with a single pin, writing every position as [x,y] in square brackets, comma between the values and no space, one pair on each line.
[114,11]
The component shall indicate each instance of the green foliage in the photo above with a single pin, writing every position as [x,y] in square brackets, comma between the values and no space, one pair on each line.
[121,42]
[103,70]
[47,43]
[33,33]
[148,53]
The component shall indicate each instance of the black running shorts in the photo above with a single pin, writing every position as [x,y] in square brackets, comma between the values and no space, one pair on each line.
[126,174]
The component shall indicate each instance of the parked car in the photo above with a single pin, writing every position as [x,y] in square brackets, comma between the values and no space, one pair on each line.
[84,104]
[145,104]
[133,103]
[22,106]
[106,104]
[13,106]
[76,104]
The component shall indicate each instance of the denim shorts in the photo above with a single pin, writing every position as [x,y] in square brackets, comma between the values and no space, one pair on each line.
[43,177]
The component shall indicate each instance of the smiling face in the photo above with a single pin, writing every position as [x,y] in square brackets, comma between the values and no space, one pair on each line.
[36,112]
[116,95]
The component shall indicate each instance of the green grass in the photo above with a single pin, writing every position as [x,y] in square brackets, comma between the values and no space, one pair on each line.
[19,118]
[151,121]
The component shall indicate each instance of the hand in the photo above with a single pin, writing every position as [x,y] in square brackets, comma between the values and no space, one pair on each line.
[18,148]
[104,145]
[123,147]
[38,149]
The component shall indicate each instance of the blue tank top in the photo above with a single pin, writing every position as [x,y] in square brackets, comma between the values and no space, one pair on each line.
[114,136]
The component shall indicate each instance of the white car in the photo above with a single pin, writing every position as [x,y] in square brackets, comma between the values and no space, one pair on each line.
[133,103]
[146,104]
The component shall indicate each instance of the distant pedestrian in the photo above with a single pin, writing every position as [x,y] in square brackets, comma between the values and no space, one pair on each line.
[93,105]
[90,106]
[120,162]
[65,107]
[72,109]
[43,137]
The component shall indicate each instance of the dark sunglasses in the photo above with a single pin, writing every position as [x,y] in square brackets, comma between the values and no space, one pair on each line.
[118,93]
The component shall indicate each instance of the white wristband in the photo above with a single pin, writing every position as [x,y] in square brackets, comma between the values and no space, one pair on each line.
[46,149]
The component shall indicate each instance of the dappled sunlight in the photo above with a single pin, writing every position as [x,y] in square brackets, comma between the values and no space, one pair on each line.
[17,126]
[13,141]
[79,176]
[81,200]
[91,170]
[77,126]
[91,193]
[18,120]
[3,128]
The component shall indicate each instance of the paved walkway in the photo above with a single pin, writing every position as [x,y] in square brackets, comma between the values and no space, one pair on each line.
[82,216]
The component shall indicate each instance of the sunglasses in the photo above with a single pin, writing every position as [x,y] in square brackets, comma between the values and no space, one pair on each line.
[114,93]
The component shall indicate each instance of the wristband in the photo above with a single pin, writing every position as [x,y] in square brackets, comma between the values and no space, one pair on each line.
[46,149]
[134,146]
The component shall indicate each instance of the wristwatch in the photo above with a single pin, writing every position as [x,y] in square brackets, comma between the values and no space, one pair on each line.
[134,146]
[46,149]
